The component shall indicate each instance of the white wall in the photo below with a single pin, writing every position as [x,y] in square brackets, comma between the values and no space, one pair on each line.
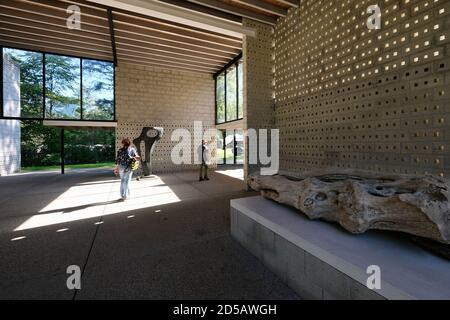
[10,159]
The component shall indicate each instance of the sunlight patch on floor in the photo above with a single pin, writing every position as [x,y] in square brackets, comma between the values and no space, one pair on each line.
[79,203]
[233,173]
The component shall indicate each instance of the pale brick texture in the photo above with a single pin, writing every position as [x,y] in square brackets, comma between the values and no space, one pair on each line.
[10,159]
[150,96]
[348,98]
[258,81]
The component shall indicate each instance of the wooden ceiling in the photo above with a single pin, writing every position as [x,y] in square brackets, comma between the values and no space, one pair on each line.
[41,25]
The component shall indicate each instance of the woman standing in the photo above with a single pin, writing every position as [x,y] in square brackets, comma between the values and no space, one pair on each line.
[125,156]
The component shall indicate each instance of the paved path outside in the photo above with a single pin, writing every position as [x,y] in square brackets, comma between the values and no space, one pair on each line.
[171,241]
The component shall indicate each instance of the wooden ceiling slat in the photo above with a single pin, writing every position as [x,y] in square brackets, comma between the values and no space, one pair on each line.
[150,53]
[57,35]
[146,54]
[180,52]
[41,25]
[53,12]
[57,29]
[49,20]
[61,6]
[120,25]
[204,10]
[264,6]
[291,3]
[215,4]
[176,45]
[165,61]
[164,66]
[173,28]
[43,40]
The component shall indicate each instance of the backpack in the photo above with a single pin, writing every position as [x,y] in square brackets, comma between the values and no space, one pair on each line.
[123,158]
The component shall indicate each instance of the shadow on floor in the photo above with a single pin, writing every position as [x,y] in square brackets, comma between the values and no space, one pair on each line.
[171,242]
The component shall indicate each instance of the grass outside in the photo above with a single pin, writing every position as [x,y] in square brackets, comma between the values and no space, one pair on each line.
[69,166]
[230,156]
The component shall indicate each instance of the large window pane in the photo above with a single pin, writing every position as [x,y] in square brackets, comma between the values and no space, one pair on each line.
[239,136]
[98,90]
[229,147]
[231,94]
[62,87]
[23,83]
[241,90]
[220,150]
[220,102]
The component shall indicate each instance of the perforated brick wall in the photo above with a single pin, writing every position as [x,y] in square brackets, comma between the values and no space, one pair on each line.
[373,100]
[148,96]
[258,80]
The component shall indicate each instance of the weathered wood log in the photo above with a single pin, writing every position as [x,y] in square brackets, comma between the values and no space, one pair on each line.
[413,205]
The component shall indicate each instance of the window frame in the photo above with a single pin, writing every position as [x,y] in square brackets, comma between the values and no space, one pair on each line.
[43,117]
[224,147]
[224,70]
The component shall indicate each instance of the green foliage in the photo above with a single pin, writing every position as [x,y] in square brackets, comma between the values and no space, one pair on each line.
[41,145]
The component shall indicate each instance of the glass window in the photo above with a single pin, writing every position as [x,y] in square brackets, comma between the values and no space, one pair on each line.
[231,94]
[23,86]
[241,90]
[220,150]
[22,83]
[220,95]
[239,136]
[229,147]
[62,87]
[98,90]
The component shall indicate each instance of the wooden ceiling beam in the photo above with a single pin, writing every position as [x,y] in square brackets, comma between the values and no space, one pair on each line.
[179,51]
[170,44]
[59,22]
[122,55]
[179,15]
[165,66]
[222,6]
[132,31]
[52,33]
[291,3]
[125,22]
[36,46]
[149,54]
[264,6]
[67,45]
[204,10]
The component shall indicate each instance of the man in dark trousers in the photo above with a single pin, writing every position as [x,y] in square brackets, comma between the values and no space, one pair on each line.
[203,154]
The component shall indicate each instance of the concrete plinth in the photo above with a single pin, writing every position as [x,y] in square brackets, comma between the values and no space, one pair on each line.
[322,261]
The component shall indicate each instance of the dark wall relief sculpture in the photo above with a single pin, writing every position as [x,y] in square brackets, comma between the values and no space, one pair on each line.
[147,139]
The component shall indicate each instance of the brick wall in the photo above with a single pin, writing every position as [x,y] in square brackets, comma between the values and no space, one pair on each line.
[258,81]
[10,158]
[349,98]
[149,96]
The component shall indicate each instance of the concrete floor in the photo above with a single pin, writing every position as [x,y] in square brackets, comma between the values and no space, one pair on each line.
[171,241]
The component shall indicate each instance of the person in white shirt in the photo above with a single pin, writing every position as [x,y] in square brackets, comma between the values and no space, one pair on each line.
[203,154]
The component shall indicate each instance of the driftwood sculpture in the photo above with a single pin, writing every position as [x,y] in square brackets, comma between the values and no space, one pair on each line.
[417,206]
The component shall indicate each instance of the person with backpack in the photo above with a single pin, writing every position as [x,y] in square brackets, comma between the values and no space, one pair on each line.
[127,161]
